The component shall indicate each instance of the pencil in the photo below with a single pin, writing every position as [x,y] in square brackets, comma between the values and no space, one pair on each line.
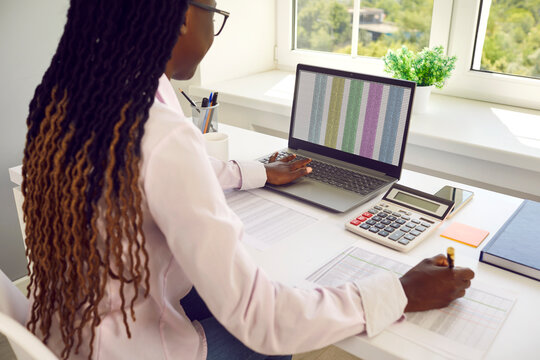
[190,101]
[208,119]
[214,103]
[208,114]
[450,256]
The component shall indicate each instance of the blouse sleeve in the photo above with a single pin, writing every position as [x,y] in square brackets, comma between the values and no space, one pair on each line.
[242,175]
[187,203]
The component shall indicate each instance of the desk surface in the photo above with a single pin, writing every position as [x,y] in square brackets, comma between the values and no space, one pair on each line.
[294,258]
[290,261]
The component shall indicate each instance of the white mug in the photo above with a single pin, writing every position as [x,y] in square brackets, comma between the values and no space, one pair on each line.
[217,145]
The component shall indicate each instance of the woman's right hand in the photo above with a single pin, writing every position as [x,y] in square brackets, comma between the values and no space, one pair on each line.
[431,284]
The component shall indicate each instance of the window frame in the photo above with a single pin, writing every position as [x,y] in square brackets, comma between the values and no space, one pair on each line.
[288,57]
[477,84]
[454,25]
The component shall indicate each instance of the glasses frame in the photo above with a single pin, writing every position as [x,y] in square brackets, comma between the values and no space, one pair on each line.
[212,9]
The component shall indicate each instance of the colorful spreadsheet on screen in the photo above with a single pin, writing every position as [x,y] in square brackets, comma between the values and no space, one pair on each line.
[359,117]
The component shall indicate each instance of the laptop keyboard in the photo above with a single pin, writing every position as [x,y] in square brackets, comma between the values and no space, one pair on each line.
[337,176]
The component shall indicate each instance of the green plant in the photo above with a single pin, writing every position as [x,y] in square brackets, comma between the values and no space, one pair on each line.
[427,67]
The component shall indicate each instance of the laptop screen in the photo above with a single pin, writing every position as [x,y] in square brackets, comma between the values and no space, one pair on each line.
[364,117]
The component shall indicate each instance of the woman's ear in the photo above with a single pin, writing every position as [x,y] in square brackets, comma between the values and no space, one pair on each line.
[183,29]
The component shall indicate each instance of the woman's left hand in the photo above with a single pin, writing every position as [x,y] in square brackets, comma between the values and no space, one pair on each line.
[285,170]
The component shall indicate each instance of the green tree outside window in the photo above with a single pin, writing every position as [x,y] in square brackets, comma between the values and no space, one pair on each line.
[511,44]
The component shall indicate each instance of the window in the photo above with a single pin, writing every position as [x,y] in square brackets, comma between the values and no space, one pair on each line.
[324,25]
[329,26]
[474,32]
[508,38]
[453,24]
[388,24]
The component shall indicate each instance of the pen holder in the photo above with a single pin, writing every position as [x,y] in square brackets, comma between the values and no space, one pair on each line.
[205,118]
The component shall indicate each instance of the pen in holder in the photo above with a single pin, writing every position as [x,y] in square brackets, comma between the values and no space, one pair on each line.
[205,118]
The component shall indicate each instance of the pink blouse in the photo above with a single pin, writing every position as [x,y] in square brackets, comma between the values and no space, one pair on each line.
[193,239]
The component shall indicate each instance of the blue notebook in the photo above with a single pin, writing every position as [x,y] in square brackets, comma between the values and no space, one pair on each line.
[516,246]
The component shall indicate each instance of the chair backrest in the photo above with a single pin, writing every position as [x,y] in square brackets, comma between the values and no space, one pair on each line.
[14,307]
[12,301]
[25,345]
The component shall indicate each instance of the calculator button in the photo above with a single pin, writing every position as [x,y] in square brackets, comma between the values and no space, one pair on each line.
[409,237]
[356,222]
[386,222]
[405,217]
[380,226]
[410,224]
[373,211]
[365,226]
[395,225]
[400,221]
[415,221]
[403,241]
[405,229]
[378,207]
[420,228]
[374,229]
[377,218]
[391,218]
[415,233]
[396,214]
[382,214]
[387,211]
[383,233]
[395,236]
[367,214]
[389,229]
[371,222]
[361,218]
[425,224]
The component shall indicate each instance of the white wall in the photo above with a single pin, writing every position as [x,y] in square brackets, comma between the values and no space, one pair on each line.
[29,33]
[246,45]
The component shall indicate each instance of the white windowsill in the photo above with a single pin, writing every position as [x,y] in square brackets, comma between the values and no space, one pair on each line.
[270,91]
[481,130]
[453,131]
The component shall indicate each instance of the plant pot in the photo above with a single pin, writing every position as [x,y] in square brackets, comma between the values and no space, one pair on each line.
[421,99]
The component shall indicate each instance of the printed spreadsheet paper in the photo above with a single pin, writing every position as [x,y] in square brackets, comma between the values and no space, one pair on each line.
[464,330]
[268,220]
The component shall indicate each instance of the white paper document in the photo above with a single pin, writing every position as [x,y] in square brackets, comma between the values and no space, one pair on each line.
[267,222]
[463,330]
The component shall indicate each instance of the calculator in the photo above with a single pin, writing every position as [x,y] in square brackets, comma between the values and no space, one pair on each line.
[402,219]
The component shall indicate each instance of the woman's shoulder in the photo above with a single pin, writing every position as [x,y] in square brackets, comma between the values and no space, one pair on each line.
[162,122]
[162,116]
[170,135]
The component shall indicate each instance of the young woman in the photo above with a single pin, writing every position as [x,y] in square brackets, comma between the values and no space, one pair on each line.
[125,212]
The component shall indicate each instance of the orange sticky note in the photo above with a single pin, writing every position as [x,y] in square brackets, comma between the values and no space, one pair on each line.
[465,234]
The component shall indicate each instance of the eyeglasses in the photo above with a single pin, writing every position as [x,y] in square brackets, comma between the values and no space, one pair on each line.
[221,19]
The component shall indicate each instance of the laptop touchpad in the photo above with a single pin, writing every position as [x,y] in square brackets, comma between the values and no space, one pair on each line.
[324,194]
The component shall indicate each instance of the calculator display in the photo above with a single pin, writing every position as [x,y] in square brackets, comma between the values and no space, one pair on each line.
[419,201]
[416,202]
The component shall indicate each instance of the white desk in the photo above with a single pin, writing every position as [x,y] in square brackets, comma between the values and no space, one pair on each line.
[294,258]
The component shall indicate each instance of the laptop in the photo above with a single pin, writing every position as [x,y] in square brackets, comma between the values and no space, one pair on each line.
[354,128]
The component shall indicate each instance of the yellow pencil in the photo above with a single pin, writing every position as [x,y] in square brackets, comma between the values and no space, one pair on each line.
[450,255]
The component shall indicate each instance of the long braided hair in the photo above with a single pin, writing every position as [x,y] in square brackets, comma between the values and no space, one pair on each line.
[81,162]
